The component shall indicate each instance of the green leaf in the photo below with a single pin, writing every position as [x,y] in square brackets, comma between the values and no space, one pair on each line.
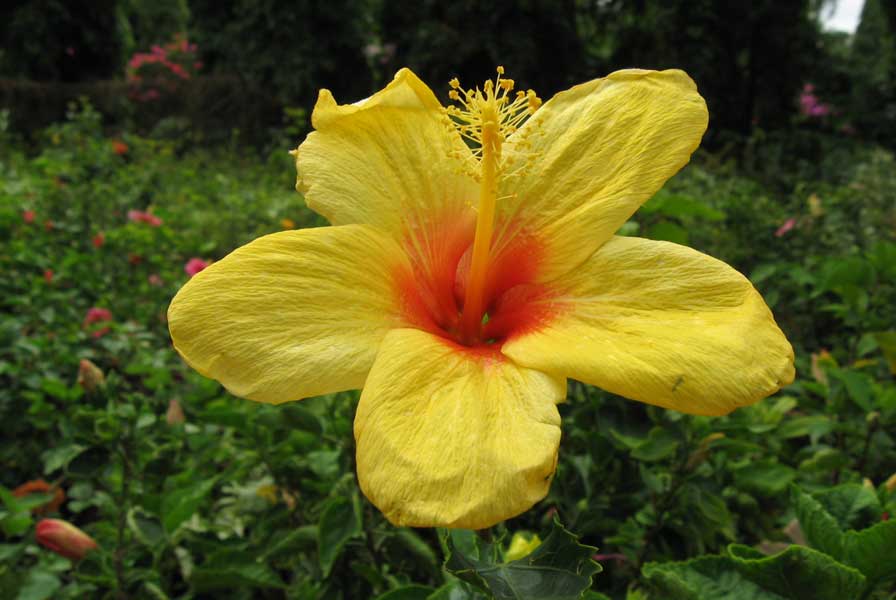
[57,458]
[680,205]
[797,573]
[870,550]
[408,592]
[38,585]
[766,477]
[253,575]
[559,569]
[669,232]
[854,506]
[886,341]
[340,522]
[660,444]
[180,505]
[457,590]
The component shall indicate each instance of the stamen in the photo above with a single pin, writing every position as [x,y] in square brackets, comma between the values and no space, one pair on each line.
[486,118]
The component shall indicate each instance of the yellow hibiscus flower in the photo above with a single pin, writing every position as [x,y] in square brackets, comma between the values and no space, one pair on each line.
[460,288]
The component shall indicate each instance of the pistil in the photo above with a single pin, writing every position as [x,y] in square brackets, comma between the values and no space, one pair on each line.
[485,118]
[474,297]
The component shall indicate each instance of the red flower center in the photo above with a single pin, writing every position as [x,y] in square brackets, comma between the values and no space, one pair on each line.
[432,293]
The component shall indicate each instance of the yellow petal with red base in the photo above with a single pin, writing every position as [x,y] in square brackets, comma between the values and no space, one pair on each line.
[292,314]
[663,324]
[449,436]
[591,155]
[392,160]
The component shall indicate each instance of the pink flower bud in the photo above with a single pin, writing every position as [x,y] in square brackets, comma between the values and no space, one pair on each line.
[786,226]
[175,414]
[64,539]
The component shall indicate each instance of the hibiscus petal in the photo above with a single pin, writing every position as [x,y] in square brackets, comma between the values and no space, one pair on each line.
[593,154]
[663,324]
[392,160]
[292,314]
[453,437]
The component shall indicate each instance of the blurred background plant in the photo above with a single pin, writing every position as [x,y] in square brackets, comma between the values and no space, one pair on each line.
[109,201]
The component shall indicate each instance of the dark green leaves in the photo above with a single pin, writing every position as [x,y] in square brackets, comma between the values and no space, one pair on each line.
[340,522]
[825,520]
[797,573]
[559,569]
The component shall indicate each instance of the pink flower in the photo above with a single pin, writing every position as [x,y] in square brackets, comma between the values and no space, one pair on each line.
[810,105]
[28,216]
[786,226]
[97,315]
[139,216]
[64,539]
[194,265]
[154,280]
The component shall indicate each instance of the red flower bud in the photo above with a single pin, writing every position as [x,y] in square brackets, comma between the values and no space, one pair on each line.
[64,539]
[39,486]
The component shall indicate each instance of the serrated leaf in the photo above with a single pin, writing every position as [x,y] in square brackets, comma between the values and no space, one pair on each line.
[854,506]
[559,569]
[339,522]
[797,573]
[870,550]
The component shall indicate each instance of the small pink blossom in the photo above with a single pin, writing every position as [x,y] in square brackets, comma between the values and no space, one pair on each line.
[194,265]
[48,275]
[97,315]
[28,216]
[98,240]
[786,226]
[155,280]
[139,216]
[810,105]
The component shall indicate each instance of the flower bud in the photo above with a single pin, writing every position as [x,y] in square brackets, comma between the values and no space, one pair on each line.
[175,414]
[39,486]
[90,376]
[64,539]
[890,483]
[521,545]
